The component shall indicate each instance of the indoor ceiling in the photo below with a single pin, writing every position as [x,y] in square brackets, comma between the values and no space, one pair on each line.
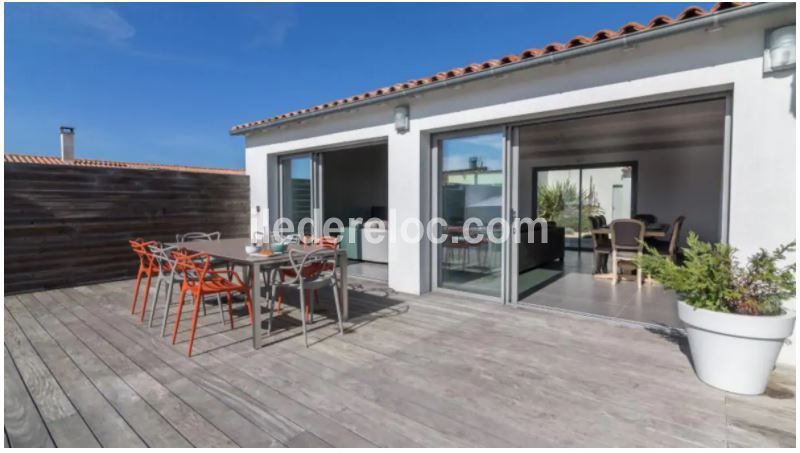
[699,123]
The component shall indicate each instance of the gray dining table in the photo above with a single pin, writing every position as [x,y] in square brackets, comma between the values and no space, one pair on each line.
[233,251]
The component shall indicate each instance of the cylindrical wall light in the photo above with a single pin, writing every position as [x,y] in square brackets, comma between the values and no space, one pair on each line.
[780,48]
[401,119]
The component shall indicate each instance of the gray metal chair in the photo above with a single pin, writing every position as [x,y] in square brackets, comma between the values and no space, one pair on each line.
[312,270]
[197,236]
[627,236]
[168,274]
[201,236]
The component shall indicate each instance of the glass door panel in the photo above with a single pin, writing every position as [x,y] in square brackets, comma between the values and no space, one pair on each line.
[557,201]
[470,183]
[296,191]
[607,191]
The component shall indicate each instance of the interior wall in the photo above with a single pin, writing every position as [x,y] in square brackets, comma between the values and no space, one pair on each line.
[355,181]
[670,182]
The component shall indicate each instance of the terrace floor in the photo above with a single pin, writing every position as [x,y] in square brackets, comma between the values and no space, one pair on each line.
[409,371]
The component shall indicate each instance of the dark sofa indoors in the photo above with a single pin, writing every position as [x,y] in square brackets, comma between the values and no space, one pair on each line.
[537,253]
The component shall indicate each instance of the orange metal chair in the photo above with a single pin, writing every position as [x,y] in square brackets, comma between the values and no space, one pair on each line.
[200,280]
[328,242]
[147,267]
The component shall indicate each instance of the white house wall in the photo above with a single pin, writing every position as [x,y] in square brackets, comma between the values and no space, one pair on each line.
[762,196]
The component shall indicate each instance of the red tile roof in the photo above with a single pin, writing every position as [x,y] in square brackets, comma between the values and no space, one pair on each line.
[601,35]
[52,160]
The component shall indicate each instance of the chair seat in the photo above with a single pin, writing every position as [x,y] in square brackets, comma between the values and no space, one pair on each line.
[219,285]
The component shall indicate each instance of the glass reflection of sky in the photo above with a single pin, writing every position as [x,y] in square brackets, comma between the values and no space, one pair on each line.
[300,167]
[488,148]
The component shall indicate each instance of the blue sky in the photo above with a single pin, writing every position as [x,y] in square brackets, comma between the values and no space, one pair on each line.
[162,83]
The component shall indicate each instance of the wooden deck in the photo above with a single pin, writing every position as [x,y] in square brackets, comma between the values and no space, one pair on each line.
[409,371]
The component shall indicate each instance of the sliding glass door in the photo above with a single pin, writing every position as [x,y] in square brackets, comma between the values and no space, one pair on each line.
[568,196]
[470,184]
[299,180]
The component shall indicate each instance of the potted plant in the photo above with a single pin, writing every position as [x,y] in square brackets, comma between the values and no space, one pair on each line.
[733,313]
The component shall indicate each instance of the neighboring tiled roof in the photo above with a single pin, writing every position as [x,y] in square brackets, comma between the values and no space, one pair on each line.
[51,160]
[601,35]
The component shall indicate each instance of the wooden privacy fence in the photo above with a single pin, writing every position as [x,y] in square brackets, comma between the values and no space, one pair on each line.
[70,225]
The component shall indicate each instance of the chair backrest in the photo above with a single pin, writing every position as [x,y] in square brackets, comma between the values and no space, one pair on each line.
[193,267]
[311,264]
[598,240]
[140,248]
[163,257]
[646,218]
[675,235]
[627,234]
[198,236]
[601,219]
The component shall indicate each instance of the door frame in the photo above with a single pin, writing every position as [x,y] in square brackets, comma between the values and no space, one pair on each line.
[509,173]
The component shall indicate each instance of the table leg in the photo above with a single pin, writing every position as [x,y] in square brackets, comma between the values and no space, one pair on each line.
[343,286]
[255,292]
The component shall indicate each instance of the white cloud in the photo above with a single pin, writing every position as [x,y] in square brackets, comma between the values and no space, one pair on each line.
[273,22]
[80,22]
[100,19]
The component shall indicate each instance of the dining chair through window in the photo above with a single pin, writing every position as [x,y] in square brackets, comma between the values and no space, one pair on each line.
[647,219]
[313,269]
[627,236]
[670,248]
[601,246]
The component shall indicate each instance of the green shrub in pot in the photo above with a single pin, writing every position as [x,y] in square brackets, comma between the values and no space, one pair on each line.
[733,312]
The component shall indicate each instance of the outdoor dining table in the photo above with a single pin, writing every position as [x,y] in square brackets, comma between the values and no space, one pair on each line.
[233,251]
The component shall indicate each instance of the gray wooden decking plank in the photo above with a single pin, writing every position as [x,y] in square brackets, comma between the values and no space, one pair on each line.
[381,380]
[21,420]
[447,366]
[340,354]
[274,423]
[432,360]
[327,367]
[326,428]
[65,425]
[633,332]
[365,418]
[232,412]
[180,416]
[144,419]
[307,440]
[103,419]
[581,351]
[683,434]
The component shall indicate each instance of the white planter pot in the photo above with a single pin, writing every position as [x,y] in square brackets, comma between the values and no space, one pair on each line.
[735,352]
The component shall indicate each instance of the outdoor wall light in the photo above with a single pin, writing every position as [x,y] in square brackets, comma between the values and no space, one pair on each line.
[401,119]
[780,49]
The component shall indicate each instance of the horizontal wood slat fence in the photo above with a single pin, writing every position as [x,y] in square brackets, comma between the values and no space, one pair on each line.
[67,226]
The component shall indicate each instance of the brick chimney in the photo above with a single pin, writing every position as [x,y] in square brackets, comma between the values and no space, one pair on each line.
[67,143]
